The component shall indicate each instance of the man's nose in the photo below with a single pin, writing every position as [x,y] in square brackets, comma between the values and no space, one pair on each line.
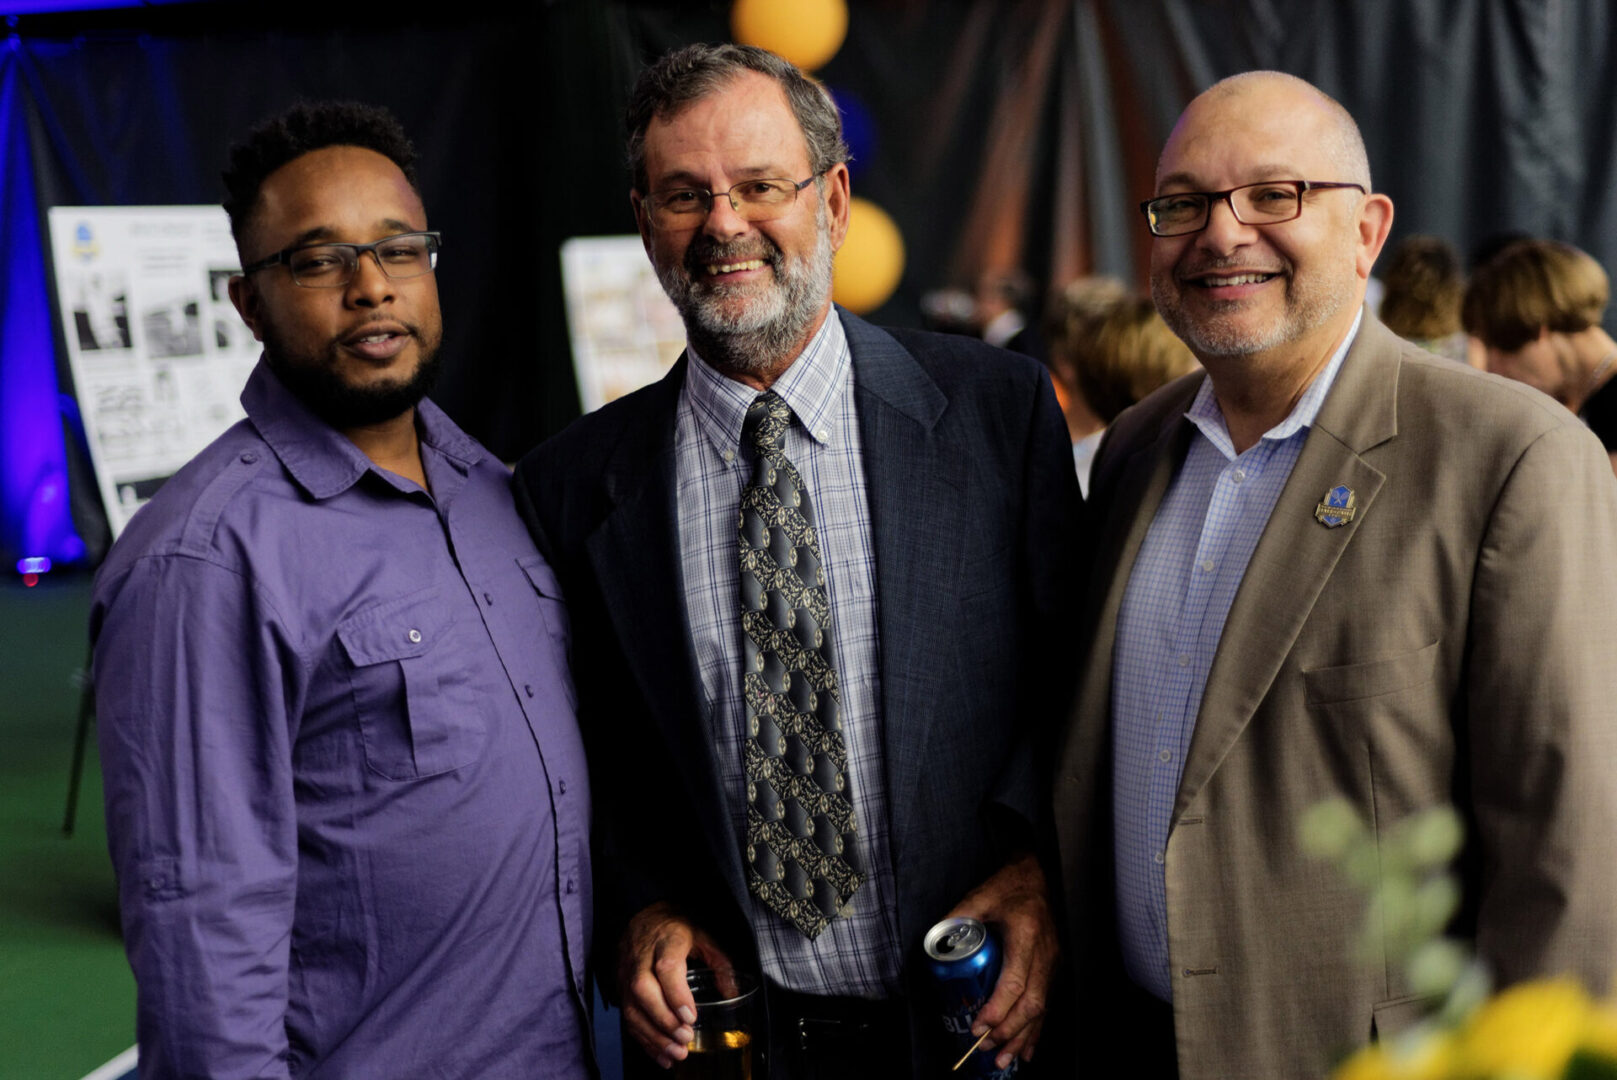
[370,284]
[723,219]
[1224,231]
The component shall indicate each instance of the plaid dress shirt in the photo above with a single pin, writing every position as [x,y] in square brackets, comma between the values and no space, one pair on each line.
[857,955]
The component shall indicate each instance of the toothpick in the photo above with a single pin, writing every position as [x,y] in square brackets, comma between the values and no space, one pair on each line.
[970,1052]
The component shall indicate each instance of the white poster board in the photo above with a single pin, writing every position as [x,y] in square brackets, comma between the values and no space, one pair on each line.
[158,354]
[625,332]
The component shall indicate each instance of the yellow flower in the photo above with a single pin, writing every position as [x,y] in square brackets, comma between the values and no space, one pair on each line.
[1420,1056]
[1368,1064]
[1600,1030]
[1528,1031]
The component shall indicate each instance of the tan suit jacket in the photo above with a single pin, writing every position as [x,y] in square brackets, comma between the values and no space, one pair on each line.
[1449,644]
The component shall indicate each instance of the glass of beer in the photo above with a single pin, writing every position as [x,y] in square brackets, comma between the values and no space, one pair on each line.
[726,1017]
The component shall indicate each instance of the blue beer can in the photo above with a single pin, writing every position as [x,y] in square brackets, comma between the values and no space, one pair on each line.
[963,957]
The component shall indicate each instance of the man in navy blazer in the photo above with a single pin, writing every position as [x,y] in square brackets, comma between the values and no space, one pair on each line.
[945,505]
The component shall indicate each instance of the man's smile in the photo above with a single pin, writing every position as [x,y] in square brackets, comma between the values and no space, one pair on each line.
[378,341]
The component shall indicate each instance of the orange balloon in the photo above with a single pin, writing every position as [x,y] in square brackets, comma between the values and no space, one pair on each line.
[871,261]
[806,32]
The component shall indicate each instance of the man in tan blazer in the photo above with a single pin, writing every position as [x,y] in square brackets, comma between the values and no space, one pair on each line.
[1331,566]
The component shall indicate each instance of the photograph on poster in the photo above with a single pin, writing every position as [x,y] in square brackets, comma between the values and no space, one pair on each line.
[158,355]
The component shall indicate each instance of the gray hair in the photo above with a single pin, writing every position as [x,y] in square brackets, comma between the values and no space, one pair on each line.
[686,75]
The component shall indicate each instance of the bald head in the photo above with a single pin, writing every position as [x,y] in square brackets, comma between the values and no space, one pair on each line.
[1258,94]
[1285,290]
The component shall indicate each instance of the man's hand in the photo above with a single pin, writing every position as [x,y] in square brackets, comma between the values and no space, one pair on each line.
[658,1007]
[1016,901]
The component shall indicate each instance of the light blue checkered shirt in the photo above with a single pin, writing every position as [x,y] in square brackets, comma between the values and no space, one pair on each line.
[857,955]
[1168,627]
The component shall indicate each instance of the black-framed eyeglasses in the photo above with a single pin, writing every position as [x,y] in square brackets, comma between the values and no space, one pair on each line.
[330,266]
[763,199]
[1268,203]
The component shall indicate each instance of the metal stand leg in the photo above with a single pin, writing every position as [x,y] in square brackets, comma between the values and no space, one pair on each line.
[76,775]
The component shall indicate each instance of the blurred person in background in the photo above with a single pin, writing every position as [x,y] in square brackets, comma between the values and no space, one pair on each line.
[1004,300]
[1536,307]
[1069,328]
[1130,353]
[1421,294]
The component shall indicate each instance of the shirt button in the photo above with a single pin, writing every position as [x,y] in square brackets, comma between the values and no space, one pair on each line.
[488,598]
[1156,857]
[823,434]
[1184,657]
[414,636]
[729,455]
[528,689]
[248,458]
[1238,475]
[561,787]
[1207,565]
[571,888]
[1164,755]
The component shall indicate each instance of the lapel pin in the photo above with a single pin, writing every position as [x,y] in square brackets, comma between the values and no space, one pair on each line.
[1338,507]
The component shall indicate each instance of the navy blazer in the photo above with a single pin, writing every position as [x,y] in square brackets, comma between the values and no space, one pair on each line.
[974,510]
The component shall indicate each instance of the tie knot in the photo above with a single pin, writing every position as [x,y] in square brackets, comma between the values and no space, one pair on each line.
[768,417]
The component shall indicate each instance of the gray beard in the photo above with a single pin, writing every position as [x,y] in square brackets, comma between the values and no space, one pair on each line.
[766,333]
[1308,308]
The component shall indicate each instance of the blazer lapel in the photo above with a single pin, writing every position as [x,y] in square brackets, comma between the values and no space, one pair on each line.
[1297,553]
[915,484]
[635,553]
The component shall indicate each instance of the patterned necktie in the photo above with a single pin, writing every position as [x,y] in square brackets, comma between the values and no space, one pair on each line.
[800,823]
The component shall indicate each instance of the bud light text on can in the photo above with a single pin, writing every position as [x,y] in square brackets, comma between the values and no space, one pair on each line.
[963,957]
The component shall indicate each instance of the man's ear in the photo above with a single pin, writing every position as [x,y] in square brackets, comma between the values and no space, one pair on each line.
[839,203]
[1375,222]
[642,219]
[245,296]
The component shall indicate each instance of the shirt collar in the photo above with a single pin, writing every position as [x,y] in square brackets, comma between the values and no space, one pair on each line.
[318,456]
[810,386]
[1206,415]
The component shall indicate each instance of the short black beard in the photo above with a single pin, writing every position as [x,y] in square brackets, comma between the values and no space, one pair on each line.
[345,407]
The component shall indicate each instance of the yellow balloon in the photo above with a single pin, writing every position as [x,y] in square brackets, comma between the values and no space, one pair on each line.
[806,32]
[871,261]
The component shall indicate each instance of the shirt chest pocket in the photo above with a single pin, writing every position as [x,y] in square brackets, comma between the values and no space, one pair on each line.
[412,688]
[553,610]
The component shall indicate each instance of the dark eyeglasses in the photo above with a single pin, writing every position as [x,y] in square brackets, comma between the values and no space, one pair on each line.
[1268,203]
[323,266]
[753,200]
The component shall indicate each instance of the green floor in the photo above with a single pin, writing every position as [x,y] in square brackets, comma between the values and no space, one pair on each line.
[67,1002]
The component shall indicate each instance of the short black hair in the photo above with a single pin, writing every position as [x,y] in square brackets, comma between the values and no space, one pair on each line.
[308,126]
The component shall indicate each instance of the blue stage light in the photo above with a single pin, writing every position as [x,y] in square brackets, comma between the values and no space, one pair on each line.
[34,507]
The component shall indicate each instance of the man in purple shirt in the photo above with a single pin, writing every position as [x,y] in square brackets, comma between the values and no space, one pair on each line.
[346,795]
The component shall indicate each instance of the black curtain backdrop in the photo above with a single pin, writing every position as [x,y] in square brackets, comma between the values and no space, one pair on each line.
[1006,132]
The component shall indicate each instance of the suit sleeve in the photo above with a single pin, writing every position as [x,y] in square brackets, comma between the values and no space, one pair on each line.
[1052,558]
[1541,693]
[201,823]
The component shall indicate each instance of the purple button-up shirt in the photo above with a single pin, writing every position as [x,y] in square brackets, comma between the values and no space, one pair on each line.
[346,795]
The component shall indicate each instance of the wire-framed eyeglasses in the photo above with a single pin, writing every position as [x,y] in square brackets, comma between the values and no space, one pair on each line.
[763,199]
[329,266]
[1267,203]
